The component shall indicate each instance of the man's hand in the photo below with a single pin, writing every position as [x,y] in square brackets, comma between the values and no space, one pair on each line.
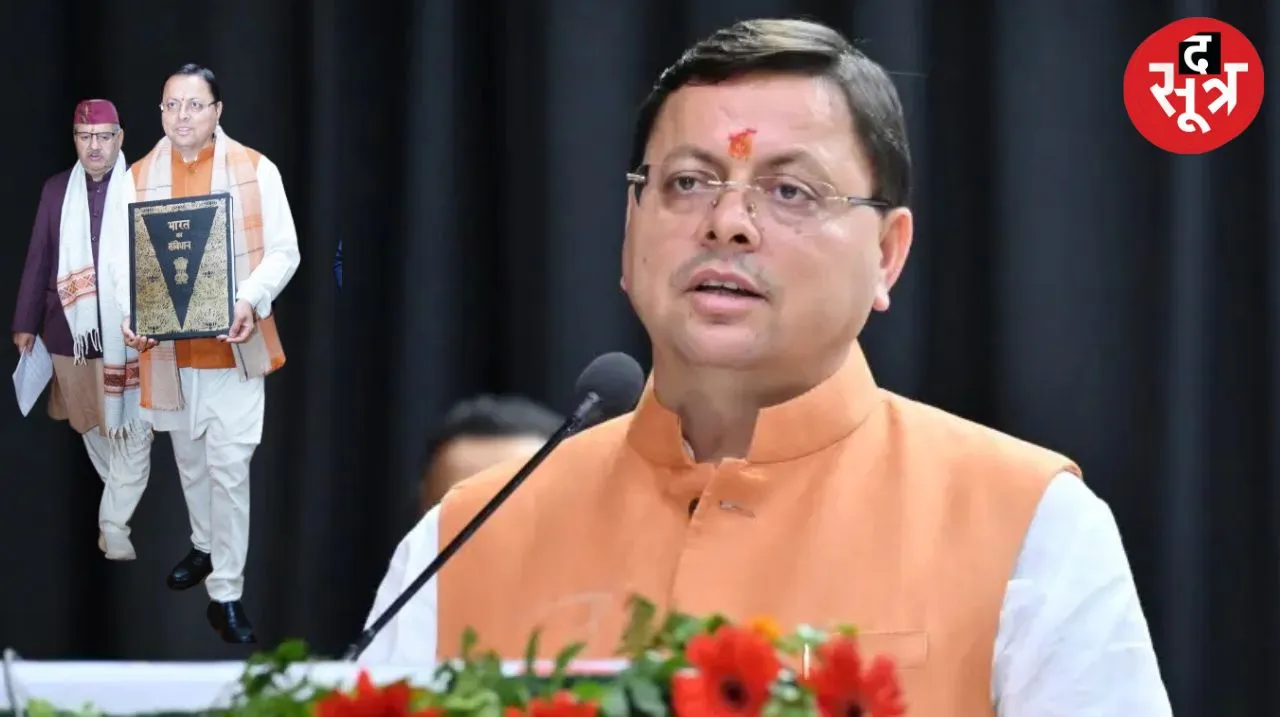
[24,342]
[137,343]
[242,325]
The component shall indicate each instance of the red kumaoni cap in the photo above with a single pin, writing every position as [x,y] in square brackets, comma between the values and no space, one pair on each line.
[96,112]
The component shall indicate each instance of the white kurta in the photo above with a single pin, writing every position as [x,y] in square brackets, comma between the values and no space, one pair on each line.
[1072,638]
[216,432]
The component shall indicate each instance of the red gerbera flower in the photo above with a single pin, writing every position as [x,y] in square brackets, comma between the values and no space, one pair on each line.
[844,690]
[369,700]
[562,704]
[735,668]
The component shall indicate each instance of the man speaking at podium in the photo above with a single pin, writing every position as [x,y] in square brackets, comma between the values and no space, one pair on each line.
[763,471]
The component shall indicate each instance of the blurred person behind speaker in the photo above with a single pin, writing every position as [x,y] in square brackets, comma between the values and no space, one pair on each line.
[478,433]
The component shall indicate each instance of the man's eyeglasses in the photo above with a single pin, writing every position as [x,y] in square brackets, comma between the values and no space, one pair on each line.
[194,107]
[102,137]
[788,200]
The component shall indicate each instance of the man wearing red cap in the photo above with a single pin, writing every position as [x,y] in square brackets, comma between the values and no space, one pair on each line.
[209,394]
[95,376]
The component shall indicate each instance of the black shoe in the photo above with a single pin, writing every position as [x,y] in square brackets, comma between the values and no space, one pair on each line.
[190,571]
[229,621]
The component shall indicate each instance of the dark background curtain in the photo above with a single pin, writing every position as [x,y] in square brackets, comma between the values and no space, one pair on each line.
[1070,283]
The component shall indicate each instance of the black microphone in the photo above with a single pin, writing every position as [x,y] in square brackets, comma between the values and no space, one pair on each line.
[609,386]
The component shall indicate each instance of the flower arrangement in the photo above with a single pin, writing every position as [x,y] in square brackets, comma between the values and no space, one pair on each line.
[676,663]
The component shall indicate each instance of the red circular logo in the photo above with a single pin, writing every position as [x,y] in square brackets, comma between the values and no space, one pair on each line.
[1193,86]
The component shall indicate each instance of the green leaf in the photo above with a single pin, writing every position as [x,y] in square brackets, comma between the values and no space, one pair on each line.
[531,651]
[512,693]
[41,708]
[469,702]
[789,699]
[531,656]
[266,679]
[291,651]
[639,631]
[567,655]
[683,630]
[587,691]
[847,630]
[810,636]
[715,622]
[788,692]
[469,641]
[791,645]
[259,683]
[562,665]
[665,671]
[674,625]
[647,698]
[781,709]
[614,703]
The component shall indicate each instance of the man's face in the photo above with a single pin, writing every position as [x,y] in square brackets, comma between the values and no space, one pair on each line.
[188,112]
[816,268]
[466,456]
[97,146]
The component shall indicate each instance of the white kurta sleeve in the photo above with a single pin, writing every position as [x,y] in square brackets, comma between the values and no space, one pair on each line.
[1073,640]
[410,639]
[280,255]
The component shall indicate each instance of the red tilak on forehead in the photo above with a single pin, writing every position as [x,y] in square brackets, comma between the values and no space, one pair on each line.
[740,144]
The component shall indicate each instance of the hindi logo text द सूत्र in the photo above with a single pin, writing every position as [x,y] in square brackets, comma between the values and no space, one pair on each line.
[1193,86]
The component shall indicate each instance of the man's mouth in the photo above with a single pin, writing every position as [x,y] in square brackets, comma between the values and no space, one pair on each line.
[726,288]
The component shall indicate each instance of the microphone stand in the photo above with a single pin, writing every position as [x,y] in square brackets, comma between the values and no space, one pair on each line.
[573,423]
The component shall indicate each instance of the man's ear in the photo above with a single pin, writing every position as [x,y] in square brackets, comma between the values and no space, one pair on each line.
[896,233]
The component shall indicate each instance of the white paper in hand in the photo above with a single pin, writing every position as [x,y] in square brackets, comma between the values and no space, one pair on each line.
[35,369]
